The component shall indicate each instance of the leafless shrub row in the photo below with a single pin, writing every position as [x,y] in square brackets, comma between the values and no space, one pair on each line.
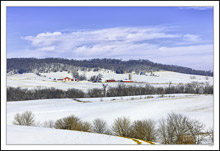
[175,129]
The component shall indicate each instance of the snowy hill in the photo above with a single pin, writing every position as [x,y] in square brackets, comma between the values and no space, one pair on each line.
[39,135]
[162,78]
[27,65]
[139,107]
[198,107]
[136,108]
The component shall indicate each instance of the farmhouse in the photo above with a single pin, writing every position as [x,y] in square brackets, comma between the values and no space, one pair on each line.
[102,80]
[127,81]
[66,79]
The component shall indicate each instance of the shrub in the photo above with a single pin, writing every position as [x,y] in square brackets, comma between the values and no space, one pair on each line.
[82,77]
[99,126]
[195,129]
[149,97]
[74,93]
[92,78]
[95,92]
[210,133]
[179,129]
[26,118]
[71,123]
[143,130]
[49,124]
[121,126]
[86,127]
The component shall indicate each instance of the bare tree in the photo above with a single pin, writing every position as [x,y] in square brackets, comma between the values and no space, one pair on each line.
[210,133]
[121,126]
[93,78]
[26,118]
[143,130]
[104,89]
[71,123]
[100,75]
[75,74]
[208,89]
[161,91]
[195,130]
[177,124]
[162,131]
[168,90]
[95,92]
[49,124]
[179,129]
[99,126]
[86,127]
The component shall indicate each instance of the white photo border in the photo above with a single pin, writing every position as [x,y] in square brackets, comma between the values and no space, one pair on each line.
[5,4]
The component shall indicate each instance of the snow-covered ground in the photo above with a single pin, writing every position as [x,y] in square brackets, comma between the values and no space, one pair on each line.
[39,135]
[154,107]
[194,106]
[162,78]
[135,107]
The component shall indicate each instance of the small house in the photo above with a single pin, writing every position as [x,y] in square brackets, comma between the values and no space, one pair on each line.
[65,79]
[127,81]
[102,80]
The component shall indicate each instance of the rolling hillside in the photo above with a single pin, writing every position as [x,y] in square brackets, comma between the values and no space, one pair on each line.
[46,80]
[199,107]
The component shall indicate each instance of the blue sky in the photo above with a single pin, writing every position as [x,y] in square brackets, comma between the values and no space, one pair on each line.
[170,35]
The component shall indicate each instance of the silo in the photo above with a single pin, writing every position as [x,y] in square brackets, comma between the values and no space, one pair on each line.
[130,76]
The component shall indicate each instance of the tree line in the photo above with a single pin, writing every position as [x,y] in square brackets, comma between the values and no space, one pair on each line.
[24,65]
[17,94]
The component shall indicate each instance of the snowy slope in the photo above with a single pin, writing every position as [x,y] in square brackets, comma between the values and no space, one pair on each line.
[198,107]
[194,106]
[31,81]
[38,135]
[160,76]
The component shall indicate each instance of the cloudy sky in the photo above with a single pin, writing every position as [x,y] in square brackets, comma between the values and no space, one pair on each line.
[170,35]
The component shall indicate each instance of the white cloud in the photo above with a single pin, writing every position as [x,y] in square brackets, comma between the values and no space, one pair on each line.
[114,37]
[195,56]
[197,7]
[193,38]
[46,49]
[120,42]
[127,34]
[186,50]
[48,34]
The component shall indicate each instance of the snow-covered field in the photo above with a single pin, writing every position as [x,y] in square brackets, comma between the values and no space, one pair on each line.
[153,107]
[162,78]
[195,106]
[39,135]
[198,107]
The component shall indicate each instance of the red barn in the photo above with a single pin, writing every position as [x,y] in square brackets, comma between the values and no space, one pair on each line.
[65,79]
[112,80]
[127,81]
